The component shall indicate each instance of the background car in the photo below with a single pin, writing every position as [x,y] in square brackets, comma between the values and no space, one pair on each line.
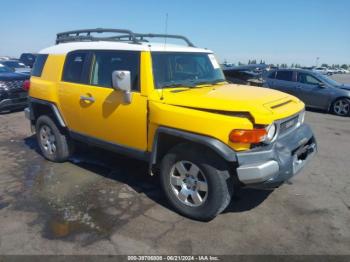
[4,58]
[322,70]
[28,59]
[243,77]
[12,94]
[314,89]
[16,66]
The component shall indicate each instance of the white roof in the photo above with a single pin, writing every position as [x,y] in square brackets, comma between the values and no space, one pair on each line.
[107,45]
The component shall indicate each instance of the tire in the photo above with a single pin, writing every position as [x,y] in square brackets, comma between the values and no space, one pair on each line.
[341,107]
[214,185]
[54,144]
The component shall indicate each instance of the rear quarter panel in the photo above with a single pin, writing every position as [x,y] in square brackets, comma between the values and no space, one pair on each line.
[45,87]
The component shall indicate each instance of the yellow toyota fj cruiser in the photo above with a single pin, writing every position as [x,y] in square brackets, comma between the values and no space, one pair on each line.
[169,105]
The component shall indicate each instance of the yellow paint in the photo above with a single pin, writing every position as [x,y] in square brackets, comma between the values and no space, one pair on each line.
[206,110]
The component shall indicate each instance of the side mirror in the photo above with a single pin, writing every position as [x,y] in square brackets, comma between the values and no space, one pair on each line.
[122,81]
[322,85]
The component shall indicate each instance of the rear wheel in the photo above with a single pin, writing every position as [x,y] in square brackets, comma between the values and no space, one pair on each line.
[196,182]
[341,107]
[54,144]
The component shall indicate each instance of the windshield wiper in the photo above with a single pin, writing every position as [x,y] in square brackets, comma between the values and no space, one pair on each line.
[215,82]
[177,85]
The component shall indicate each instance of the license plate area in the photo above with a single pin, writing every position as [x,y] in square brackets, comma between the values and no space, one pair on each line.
[302,154]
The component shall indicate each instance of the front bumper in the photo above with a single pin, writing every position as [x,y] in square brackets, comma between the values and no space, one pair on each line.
[270,166]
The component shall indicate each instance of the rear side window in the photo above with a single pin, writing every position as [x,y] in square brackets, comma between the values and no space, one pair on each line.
[39,65]
[284,75]
[73,68]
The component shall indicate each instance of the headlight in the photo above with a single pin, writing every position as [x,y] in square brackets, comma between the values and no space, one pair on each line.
[271,132]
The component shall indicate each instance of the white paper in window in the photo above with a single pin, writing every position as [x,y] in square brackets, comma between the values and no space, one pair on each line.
[213,61]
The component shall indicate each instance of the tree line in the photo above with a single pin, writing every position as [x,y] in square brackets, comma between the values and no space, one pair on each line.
[293,65]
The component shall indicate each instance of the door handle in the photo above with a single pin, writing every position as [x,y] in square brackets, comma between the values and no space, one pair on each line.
[87,98]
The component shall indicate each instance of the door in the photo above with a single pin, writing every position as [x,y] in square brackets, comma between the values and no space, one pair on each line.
[285,82]
[69,89]
[313,92]
[104,114]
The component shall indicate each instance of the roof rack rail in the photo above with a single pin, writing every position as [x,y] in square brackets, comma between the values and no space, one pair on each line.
[85,35]
[141,37]
[128,36]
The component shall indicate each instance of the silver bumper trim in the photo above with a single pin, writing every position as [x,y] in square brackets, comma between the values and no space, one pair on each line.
[257,172]
[27,113]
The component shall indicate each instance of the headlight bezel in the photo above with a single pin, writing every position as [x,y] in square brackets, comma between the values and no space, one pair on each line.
[271,133]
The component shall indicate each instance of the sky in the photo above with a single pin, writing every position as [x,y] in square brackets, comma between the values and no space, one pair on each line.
[277,31]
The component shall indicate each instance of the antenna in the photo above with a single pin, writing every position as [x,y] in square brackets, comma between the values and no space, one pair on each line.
[166,28]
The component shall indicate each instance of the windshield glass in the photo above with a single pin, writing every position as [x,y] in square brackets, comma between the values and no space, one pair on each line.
[185,69]
[328,80]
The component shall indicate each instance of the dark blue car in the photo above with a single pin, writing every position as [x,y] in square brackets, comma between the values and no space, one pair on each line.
[12,94]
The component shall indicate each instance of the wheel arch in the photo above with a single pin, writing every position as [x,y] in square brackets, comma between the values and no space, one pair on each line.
[39,107]
[330,108]
[166,138]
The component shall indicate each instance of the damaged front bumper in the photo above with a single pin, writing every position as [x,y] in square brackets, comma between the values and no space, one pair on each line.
[270,166]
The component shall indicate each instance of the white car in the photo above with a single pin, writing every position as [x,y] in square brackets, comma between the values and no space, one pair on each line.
[323,70]
[4,58]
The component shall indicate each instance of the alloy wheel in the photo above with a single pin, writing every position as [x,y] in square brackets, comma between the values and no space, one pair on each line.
[188,183]
[341,107]
[47,139]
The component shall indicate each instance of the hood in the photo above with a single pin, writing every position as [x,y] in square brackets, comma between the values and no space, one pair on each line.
[265,105]
[10,76]
[344,86]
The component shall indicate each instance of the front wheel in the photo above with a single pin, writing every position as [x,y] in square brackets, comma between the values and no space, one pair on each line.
[341,107]
[196,182]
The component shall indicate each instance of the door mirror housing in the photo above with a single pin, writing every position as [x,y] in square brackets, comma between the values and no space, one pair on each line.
[322,85]
[121,81]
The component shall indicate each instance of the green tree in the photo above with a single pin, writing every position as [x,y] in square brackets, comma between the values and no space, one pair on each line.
[324,65]
[344,66]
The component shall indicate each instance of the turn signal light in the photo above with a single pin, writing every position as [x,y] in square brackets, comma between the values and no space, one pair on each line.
[253,136]
[26,85]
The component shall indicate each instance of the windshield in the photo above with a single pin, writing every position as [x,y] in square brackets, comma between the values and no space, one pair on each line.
[328,80]
[185,69]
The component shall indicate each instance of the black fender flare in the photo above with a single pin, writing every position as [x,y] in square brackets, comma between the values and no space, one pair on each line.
[55,110]
[214,144]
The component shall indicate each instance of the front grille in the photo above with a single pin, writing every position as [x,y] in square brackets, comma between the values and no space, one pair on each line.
[14,84]
[289,124]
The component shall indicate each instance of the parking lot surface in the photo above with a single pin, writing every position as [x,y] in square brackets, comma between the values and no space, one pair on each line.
[102,203]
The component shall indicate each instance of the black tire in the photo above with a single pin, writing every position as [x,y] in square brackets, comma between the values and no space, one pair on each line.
[346,109]
[220,184]
[62,143]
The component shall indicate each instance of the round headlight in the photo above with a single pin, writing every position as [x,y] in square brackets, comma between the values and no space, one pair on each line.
[271,132]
